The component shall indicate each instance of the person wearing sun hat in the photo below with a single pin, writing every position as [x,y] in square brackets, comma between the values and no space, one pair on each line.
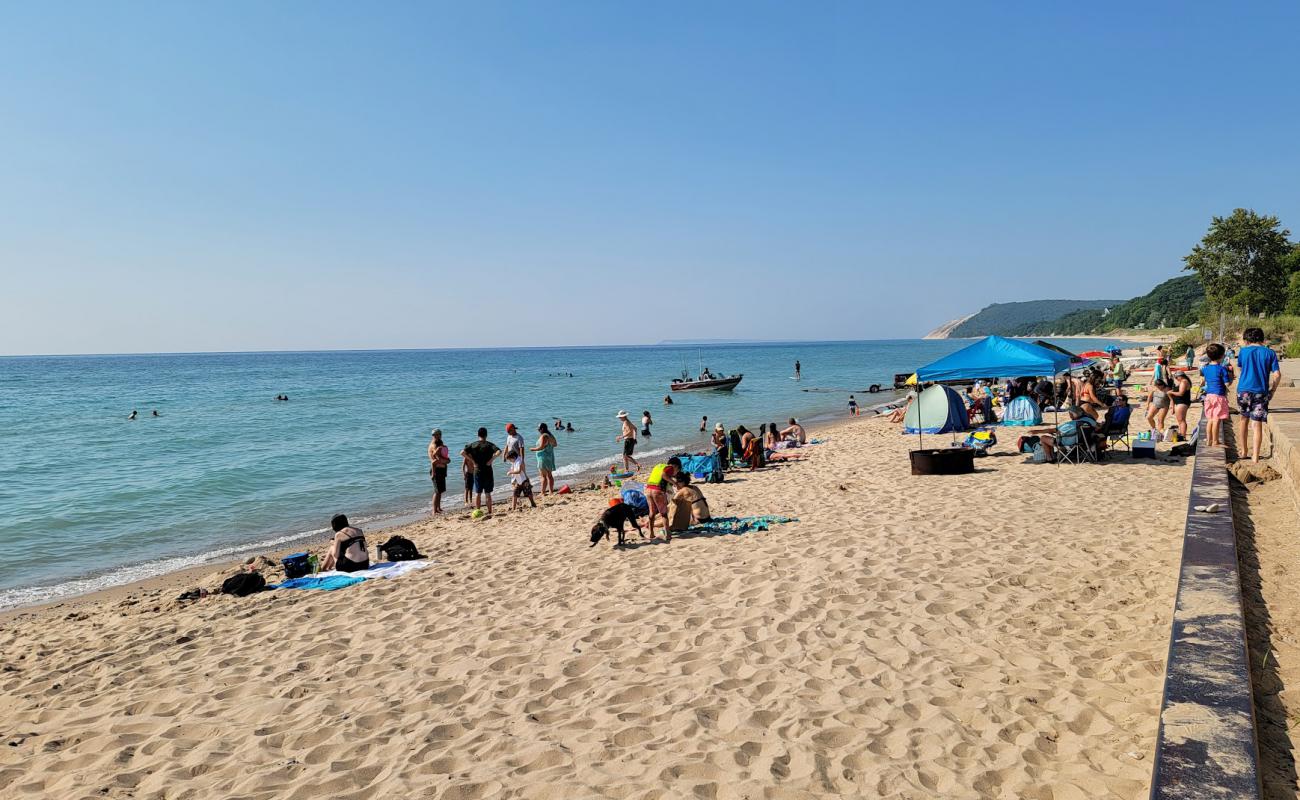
[721,444]
[628,438]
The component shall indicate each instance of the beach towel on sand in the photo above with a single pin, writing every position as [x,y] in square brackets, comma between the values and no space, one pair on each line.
[323,581]
[333,579]
[740,524]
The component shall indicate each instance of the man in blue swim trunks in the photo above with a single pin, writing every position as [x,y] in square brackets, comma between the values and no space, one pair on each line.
[1258,376]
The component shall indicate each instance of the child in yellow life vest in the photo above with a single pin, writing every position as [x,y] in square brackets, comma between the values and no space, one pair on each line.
[656,486]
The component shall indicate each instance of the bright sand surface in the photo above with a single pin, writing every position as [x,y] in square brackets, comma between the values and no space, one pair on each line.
[1000,634]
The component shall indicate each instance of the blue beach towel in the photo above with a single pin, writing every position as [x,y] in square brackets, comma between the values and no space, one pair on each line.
[326,583]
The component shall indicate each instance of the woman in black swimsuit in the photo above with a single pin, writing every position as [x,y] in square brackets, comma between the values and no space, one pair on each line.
[347,551]
[1181,394]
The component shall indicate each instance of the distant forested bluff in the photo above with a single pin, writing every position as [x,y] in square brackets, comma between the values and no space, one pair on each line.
[1174,303]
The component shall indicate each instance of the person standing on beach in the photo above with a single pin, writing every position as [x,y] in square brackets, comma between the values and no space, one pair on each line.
[628,438]
[720,445]
[1180,394]
[514,442]
[482,452]
[853,406]
[545,450]
[1259,374]
[1217,378]
[1118,374]
[1157,408]
[467,472]
[439,458]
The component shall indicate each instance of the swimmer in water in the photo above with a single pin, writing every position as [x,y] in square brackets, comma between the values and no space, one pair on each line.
[156,414]
[569,427]
[133,413]
[704,423]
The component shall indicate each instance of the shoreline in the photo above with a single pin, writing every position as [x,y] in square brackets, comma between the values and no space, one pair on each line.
[165,585]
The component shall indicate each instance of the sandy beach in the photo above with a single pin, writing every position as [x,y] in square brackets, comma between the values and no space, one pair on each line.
[1000,634]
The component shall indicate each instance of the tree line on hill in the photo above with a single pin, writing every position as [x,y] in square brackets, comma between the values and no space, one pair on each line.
[1244,266]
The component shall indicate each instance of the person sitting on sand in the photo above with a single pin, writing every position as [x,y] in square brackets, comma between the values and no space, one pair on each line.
[795,432]
[347,551]
[751,449]
[899,414]
[689,505]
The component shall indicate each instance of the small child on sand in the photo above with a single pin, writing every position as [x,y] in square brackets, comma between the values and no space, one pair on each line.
[519,482]
[1217,377]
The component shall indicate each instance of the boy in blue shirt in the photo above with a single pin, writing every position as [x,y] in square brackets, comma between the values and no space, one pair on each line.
[1259,374]
[1217,378]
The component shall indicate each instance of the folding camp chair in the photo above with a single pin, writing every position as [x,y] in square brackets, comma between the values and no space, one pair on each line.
[1118,435]
[1083,449]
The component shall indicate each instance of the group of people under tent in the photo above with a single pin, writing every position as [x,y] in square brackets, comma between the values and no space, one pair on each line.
[1097,397]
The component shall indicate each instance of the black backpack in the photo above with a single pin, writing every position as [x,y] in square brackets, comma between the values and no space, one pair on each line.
[399,548]
[242,584]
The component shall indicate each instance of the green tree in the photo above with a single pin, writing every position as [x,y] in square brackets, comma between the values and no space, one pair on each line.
[1291,261]
[1239,262]
[1293,294]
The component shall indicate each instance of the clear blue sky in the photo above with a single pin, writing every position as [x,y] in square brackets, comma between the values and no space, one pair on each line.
[276,175]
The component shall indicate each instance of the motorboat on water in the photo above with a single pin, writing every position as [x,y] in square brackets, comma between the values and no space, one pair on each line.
[705,381]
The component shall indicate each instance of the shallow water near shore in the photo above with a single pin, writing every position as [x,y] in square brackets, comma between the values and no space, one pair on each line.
[90,499]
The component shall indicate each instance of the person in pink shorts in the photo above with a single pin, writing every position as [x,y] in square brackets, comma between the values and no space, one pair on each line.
[1217,379]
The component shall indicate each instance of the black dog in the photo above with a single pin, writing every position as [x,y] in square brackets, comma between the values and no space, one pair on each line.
[615,517]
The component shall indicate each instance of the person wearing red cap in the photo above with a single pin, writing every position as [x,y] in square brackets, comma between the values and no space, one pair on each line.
[514,442]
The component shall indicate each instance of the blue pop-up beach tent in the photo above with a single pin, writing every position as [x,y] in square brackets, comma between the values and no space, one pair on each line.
[938,409]
[995,357]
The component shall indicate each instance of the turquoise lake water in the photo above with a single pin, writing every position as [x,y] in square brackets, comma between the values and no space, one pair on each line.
[89,499]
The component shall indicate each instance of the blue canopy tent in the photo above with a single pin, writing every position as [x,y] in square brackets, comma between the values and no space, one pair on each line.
[995,357]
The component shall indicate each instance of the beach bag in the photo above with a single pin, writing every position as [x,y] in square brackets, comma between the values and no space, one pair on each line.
[295,566]
[242,584]
[1026,444]
[637,500]
[399,548]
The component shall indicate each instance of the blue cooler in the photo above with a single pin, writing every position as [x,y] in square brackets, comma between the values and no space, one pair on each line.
[295,566]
